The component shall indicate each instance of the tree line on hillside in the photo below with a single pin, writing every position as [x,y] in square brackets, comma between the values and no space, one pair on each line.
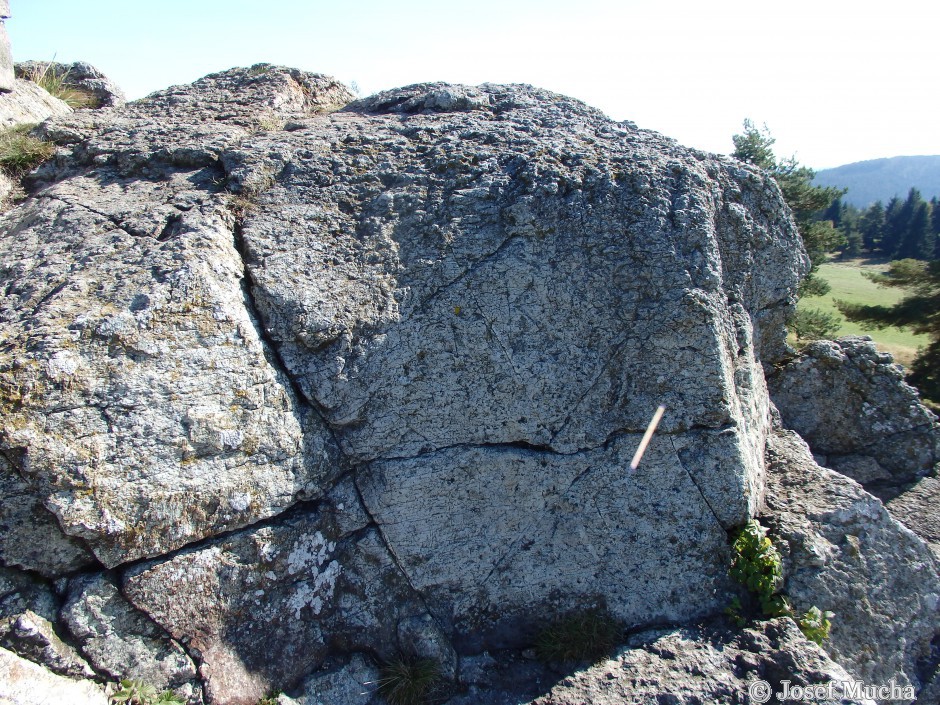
[905,231]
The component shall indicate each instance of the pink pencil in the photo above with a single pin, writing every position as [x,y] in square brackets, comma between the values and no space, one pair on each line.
[635,463]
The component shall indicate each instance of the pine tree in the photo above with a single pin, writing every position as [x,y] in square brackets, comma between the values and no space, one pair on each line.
[894,227]
[872,226]
[918,241]
[755,146]
[935,225]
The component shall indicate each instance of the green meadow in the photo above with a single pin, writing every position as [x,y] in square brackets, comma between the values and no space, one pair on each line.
[849,284]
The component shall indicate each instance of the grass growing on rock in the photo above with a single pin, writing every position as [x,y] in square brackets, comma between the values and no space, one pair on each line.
[408,680]
[56,84]
[20,152]
[589,635]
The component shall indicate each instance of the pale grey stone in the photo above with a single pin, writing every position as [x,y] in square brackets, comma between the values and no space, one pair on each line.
[26,683]
[121,642]
[33,637]
[152,415]
[844,553]
[7,76]
[849,402]
[699,665]
[500,540]
[192,126]
[9,190]
[28,103]
[265,606]
[354,683]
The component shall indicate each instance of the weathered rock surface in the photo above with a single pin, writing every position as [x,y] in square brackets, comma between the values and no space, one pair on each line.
[121,642]
[456,275]
[844,553]
[918,508]
[580,530]
[850,403]
[28,103]
[33,637]
[354,683]
[265,606]
[7,78]
[140,401]
[79,76]
[22,682]
[700,665]
[30,536]
[326,386]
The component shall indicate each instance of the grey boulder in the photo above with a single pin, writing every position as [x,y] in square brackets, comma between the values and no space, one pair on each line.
[850,403]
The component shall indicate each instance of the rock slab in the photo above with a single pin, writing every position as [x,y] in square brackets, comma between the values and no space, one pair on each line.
[25,683]
[844,553]
[702,665]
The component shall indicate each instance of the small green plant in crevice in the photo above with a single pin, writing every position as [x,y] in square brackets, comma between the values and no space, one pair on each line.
[588,635]
[20,152]
[270,699]
[134,692]
[756,564]
[815,624]
[408,680]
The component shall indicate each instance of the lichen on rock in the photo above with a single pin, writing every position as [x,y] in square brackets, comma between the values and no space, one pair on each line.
[305,385]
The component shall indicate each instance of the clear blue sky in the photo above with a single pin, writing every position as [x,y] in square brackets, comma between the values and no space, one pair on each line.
[835,81]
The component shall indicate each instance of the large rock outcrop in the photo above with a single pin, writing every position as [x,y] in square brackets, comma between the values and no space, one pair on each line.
[295,381]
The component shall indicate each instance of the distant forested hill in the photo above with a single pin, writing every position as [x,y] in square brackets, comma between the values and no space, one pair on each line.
[881,179]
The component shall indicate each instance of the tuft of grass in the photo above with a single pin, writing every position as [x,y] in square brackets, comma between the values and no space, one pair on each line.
[408,681]
[589,635]
[20,152]
[56,84]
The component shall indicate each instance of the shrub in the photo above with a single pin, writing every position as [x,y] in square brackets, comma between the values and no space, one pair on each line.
[20,152]
[408,680]
[582,636]
[757,566]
